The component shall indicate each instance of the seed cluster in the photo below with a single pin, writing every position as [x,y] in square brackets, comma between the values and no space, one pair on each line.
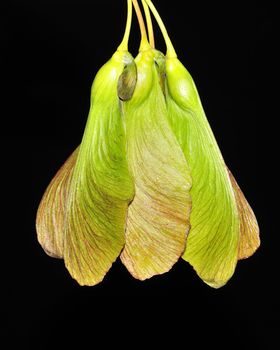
[148,182]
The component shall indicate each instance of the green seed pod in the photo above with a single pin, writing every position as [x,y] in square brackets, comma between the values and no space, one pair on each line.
[127,81]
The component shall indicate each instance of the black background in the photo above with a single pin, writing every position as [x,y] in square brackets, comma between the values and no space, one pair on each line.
[51,51]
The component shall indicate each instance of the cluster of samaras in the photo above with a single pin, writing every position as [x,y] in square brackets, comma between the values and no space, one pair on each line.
[148,182]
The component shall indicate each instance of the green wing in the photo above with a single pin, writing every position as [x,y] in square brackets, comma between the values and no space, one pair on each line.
[158,217]
[212,245]
[101,186]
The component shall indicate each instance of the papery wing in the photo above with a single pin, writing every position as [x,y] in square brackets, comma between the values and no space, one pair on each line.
[101,186]
[50,220]
[158,217]
[249,240]
[212,245]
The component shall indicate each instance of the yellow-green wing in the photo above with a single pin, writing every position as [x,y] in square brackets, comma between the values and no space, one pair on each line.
[101,186]
[213,241]
[158,217]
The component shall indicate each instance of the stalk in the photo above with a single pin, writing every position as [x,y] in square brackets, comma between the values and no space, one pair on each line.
[144,44]
[170,51]
[149,24]
[124,44]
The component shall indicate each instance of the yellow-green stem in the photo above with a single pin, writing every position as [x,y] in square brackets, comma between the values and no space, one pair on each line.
[149,24]
[170,51]
[144,44]
[124,44]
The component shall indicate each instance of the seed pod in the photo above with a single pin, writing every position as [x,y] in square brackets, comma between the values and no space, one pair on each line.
[127,81]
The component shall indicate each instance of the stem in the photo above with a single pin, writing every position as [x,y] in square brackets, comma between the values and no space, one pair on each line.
[124,44]
[149,24]
[170,49]
[144,44]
